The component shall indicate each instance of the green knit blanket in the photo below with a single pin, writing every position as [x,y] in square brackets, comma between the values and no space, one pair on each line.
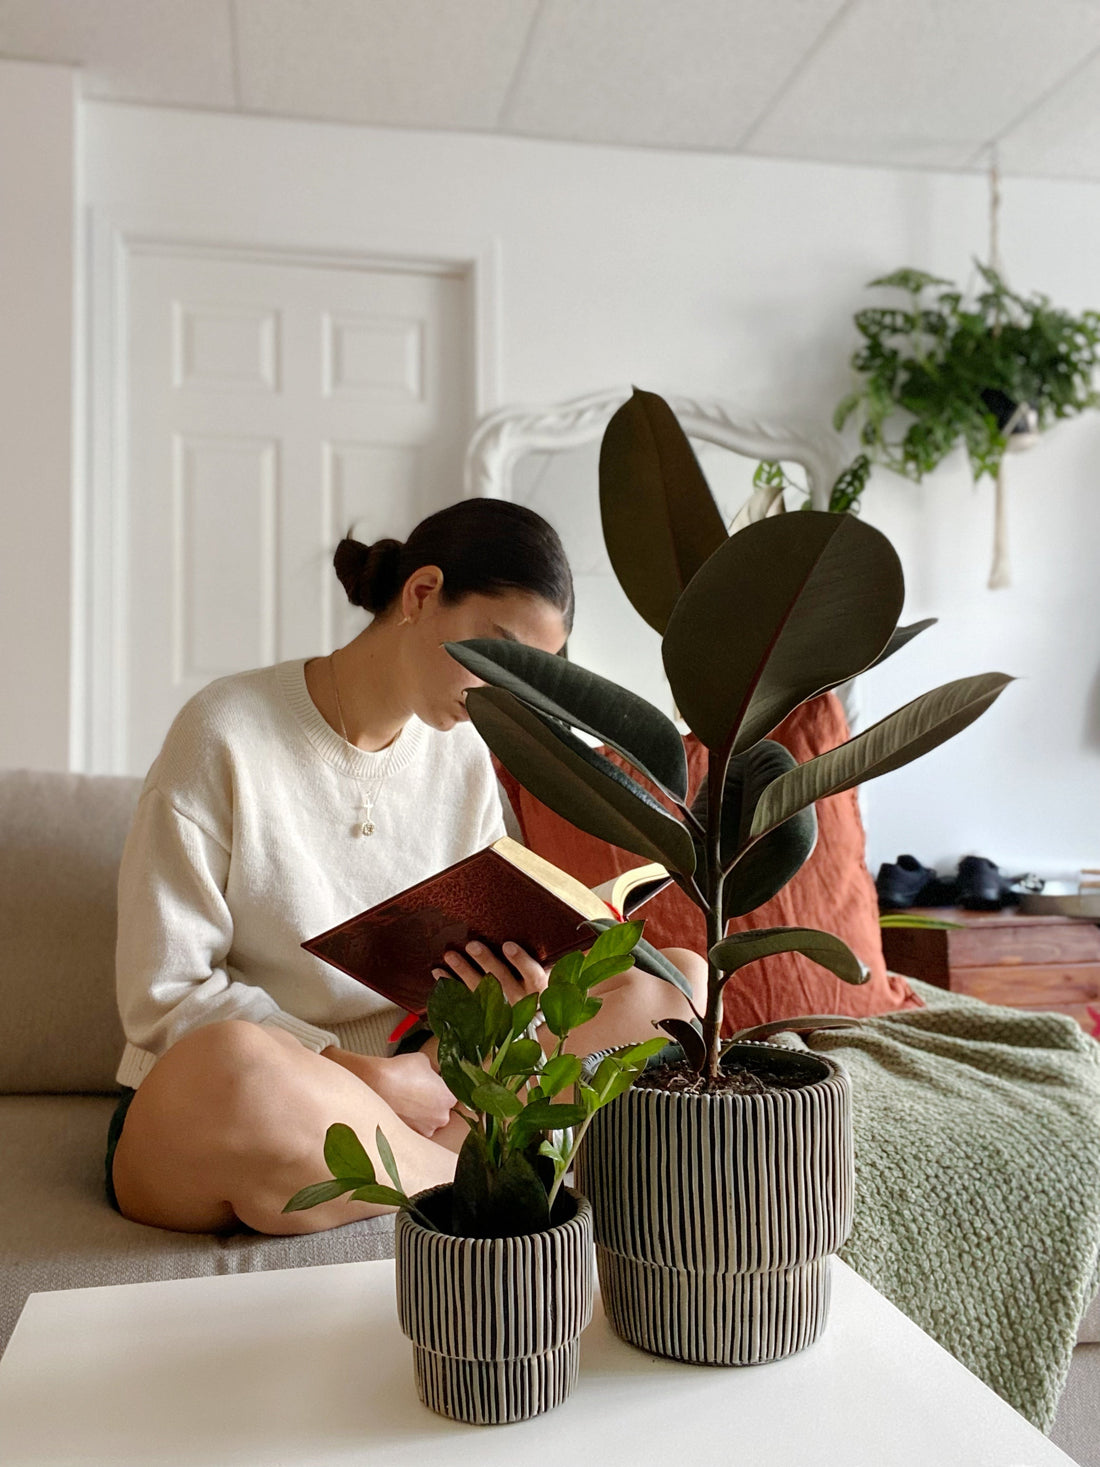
[977,1144]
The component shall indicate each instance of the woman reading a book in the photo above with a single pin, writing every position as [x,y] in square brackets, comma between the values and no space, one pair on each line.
[284,801]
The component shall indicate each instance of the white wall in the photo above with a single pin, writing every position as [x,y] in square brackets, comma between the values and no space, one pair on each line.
[37,209]
[734,278]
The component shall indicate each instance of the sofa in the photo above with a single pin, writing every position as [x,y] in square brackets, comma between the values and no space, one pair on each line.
[61,838]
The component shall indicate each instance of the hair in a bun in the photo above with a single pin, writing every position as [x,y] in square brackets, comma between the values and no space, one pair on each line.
[369,574]
[486,546]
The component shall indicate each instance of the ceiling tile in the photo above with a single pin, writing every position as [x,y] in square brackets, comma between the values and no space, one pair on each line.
[175,52]
[925,84]
[1061,137]
[412,63]
[694,73]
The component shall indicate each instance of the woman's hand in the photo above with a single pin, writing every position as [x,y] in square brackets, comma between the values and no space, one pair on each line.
[478,959]
[406,1082]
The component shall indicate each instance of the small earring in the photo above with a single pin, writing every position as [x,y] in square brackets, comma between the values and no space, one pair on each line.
[403,622]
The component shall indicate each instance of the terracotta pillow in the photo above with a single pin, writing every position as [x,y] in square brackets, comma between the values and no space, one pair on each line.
[833,891]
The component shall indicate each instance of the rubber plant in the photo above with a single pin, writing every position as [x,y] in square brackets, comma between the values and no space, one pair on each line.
[753,625]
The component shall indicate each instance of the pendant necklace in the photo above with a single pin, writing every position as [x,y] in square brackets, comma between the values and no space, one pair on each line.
[366,826]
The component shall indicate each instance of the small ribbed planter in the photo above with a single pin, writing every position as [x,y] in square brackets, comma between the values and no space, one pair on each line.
[714,1215]
[495,1322]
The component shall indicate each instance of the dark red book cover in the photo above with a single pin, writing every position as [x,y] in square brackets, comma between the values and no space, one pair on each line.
[394,946]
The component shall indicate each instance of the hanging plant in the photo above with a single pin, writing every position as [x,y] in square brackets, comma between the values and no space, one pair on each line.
[974,373]
[988,373]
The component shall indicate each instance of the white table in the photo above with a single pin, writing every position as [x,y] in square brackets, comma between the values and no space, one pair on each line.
[309,1366]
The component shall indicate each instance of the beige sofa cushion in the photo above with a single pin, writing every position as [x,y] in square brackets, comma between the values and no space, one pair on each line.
[58,1232]
[61,838]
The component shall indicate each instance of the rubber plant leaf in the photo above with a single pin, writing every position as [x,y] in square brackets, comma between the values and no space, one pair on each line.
[787,608]
[768,864]
[576,782]
[896,740]
[688,1037]
[902,636]
[660,520]
[741,948]
[573,695]
[803,1024]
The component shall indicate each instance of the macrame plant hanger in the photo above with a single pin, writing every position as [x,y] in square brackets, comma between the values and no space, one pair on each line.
[999,573]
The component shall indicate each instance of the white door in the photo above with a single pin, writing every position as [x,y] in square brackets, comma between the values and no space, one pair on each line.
[272,406]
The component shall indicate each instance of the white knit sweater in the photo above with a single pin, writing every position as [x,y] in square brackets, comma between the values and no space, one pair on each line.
[247,841]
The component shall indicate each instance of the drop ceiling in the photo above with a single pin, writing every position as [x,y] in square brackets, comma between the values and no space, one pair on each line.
[895,83]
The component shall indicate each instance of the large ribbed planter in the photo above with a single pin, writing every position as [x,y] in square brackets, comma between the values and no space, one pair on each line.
[495,1323]
[714,1215]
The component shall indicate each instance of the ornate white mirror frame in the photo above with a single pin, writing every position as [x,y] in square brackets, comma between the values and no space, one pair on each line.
[503,437]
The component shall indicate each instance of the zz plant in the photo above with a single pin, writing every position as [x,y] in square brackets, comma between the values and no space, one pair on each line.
[522,1134]
[753,625]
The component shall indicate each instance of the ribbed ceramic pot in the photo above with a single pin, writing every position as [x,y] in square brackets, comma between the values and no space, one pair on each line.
[495,1323]
[714,1215]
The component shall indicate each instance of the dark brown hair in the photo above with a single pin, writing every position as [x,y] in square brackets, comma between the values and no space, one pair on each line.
[484,546]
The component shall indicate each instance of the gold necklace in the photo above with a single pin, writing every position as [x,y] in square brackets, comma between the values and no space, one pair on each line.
[365,826]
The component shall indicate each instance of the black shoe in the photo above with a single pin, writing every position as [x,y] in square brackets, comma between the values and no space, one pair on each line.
[900,885]
[982,888]
[941,891]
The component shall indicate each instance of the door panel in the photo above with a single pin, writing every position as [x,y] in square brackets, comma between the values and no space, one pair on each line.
[271,407]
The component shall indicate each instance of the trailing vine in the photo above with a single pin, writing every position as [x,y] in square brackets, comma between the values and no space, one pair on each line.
[943,371]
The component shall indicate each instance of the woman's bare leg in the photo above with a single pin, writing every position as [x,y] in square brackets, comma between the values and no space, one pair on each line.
[231,1122]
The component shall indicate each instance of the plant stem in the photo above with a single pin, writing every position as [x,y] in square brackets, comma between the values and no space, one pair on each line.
[716,779]
[578,1137]
[498,1058]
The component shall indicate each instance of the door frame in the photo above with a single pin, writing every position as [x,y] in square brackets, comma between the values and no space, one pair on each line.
[100,570]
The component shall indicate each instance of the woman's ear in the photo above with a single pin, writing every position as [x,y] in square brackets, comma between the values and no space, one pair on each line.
[421,591]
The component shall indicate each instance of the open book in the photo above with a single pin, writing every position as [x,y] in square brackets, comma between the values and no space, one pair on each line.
[504,893]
